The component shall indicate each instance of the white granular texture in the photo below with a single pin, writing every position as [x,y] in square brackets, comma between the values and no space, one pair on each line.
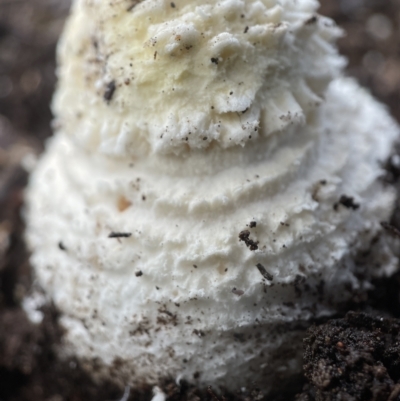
[190,77]
[237,171]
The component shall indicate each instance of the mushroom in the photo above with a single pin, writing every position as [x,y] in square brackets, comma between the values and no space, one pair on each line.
[210,182]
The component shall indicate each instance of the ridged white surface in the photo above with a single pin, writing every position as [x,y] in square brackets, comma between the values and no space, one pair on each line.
[182,296]
[197,75]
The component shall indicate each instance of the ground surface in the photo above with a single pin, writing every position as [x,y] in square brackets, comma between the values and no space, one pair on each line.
[353,358]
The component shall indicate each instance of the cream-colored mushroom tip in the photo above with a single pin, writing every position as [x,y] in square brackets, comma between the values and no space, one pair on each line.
[210,182]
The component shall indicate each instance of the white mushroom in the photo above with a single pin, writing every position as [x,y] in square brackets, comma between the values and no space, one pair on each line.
[210,182]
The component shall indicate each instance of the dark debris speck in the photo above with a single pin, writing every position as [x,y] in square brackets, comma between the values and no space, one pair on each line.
[264,272]
[119,235]
[312,20]
[109,92]
[348,202]
[245,237]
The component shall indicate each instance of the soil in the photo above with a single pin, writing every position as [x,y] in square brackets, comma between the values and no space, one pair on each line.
[355,357]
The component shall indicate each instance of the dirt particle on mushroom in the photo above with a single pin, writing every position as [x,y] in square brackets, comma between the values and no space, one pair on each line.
[390,228]
[240,337]
[348,202]
[199,333]
[119,235]
[123,204]
[264,272]
[237,292]
[109,92]
[133,5]
[312,20]
[245,237]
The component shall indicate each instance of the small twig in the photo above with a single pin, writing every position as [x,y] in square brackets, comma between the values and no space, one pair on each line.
[264,273]
[392,229]
[119,235]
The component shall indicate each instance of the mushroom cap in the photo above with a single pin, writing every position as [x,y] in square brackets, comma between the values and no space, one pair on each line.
[205,262]
[152,77]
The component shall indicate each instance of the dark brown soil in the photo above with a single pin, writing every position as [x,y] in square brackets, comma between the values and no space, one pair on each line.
[353,358]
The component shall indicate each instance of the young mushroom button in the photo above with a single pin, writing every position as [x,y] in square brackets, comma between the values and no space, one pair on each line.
[204,198]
